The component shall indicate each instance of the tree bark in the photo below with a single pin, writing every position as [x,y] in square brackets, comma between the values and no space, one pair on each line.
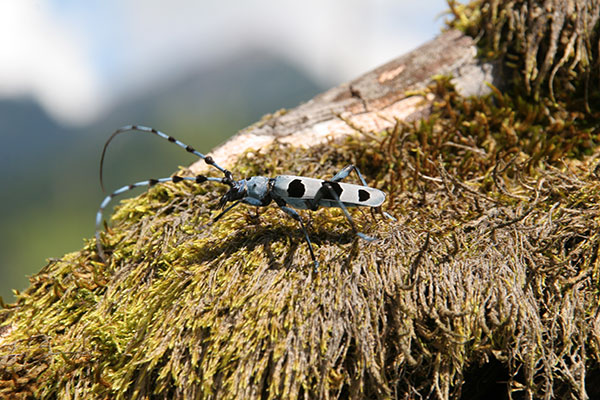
[371,103]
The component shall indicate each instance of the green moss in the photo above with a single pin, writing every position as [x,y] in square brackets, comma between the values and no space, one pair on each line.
[493,257]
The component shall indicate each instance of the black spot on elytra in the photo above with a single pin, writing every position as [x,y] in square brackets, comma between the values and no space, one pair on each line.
[328,187]
[363,195]
[177,179]
[296,188]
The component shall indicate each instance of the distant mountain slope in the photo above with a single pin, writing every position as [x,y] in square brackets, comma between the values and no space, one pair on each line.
[48,173]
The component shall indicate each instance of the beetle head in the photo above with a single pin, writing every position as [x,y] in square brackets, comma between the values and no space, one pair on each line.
[238,191]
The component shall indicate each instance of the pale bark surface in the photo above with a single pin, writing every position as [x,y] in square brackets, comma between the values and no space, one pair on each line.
[372,102]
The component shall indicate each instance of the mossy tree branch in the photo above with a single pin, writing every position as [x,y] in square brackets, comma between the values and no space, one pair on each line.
[487,283]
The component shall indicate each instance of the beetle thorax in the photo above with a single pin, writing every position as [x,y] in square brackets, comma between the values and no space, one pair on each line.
[257,187]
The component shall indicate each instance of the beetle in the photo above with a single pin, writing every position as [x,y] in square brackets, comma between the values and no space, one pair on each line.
[289,192]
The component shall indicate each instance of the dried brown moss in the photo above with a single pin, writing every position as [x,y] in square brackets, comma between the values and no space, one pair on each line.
[549,47]
[492,270]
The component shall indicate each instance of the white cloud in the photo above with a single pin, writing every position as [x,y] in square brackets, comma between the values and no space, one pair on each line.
[332,40]
[42,59]
[77,57]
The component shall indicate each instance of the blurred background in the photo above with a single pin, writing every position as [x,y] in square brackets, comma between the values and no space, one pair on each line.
[72,71]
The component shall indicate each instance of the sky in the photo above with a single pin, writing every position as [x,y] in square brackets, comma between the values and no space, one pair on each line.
[77,58]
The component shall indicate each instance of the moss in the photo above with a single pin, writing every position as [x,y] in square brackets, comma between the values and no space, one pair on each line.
[493,257]
[549,49]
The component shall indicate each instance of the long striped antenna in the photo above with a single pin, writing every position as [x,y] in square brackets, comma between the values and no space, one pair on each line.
[149,183]
[140,128]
